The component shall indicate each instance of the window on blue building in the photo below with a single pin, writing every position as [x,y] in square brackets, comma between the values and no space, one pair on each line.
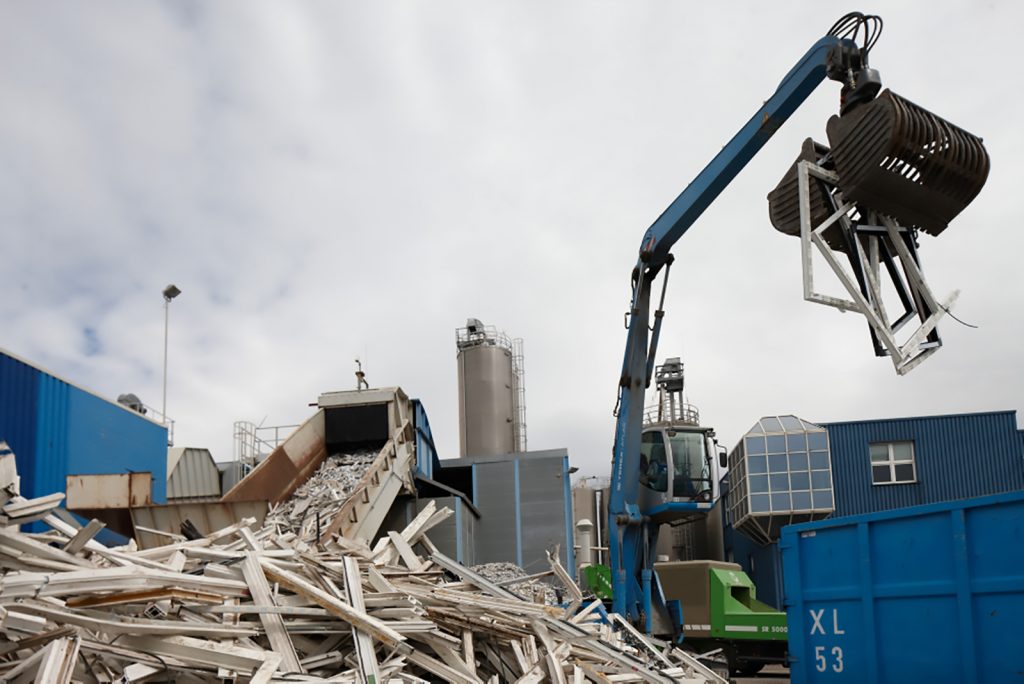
[892,463]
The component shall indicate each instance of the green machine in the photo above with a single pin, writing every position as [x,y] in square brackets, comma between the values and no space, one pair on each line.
[598,580]
[720,610]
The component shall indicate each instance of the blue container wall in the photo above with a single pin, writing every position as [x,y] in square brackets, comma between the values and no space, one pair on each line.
[927,594]
[56,429]
[956,457]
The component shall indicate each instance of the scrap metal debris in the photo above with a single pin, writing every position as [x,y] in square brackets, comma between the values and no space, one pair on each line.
[260,604]
[324,492]
[515,579]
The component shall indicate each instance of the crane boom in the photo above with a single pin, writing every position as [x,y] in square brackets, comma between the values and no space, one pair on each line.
[630,537]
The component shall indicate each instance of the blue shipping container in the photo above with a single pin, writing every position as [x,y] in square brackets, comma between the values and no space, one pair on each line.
[926,594]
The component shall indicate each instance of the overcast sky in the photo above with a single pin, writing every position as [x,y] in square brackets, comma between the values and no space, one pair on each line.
[328,180]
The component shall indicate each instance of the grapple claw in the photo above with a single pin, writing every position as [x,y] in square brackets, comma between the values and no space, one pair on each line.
[897,158]
[784,200]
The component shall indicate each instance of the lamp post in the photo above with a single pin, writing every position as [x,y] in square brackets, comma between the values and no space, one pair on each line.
[170,292]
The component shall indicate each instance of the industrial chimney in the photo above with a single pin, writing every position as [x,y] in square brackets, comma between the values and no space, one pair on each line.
[492,396]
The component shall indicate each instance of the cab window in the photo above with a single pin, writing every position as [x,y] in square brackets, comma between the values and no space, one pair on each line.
[690,465]
[653,462]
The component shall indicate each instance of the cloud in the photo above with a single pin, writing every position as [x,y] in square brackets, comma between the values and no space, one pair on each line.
[331,181]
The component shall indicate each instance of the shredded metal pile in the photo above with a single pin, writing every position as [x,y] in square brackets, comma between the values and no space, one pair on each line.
[324,492]
[528,587]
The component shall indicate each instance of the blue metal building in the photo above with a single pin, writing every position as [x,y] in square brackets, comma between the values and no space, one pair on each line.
[57,429]
[888,464]
[885,464]
[762,562]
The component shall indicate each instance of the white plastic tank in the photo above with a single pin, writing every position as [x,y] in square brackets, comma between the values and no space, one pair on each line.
[489,394]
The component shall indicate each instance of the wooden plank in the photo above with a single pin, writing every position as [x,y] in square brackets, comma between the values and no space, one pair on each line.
[273,623]
[640,639]
[439,669]
[130,625]
[385,554]
[468,652]
[586,612]
[563,576]
[369,668]
[520,653]
[297,584]
[111,579]
[35,641]
[21,507]
[58,664]
[14,543]
[83,536]
[146,596]
[409,557]
[208,653]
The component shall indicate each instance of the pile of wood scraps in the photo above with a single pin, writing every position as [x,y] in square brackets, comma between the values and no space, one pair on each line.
[255,604]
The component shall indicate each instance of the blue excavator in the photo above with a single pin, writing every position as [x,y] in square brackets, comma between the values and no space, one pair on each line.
[890,171]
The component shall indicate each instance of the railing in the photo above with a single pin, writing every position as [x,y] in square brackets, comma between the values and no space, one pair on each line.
[151,413]
[667,411]
[254,442]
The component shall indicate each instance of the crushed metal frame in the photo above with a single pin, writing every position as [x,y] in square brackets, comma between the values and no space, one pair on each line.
[880,243]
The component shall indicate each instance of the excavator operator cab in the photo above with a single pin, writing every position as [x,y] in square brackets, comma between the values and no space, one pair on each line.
[677,455]
[676,462]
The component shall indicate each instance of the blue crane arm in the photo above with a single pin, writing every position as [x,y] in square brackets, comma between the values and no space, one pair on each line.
[709,183]
[631,542]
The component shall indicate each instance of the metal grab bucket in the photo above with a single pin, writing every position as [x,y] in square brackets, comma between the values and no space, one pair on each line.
[901,160]
[784,200]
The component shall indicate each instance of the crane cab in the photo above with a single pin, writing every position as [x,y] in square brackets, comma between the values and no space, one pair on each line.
[678,471]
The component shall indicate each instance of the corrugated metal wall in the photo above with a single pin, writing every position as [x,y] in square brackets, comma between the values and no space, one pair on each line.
[192,474]
[495,498]
[956,457]
[542,493]
[525,505]
[57,429]
[19,397]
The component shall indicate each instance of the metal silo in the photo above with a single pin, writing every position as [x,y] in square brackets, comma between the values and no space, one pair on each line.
[492,409]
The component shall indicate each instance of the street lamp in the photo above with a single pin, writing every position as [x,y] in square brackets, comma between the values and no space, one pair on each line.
[170,292]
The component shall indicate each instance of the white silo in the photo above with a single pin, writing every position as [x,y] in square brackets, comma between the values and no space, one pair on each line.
[492,409]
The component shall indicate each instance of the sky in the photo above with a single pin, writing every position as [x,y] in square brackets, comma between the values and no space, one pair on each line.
[327,181]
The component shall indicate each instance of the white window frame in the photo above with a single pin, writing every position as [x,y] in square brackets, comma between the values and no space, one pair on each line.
[892,462]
